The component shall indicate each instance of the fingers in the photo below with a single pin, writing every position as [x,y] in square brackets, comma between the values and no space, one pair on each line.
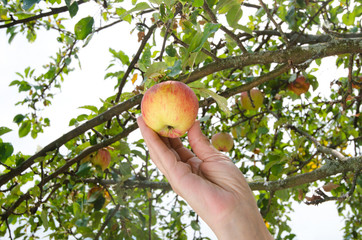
[184,153]
[156,146]
[201,145]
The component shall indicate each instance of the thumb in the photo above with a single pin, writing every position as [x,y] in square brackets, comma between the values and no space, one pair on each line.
[201,145]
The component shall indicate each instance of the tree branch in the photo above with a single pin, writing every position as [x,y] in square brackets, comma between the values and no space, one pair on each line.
[66,166]
[295,54]
[118,109]
[327,170]
[39,16]
[320,148]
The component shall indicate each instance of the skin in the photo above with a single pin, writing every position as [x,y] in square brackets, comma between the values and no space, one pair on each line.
[211,184]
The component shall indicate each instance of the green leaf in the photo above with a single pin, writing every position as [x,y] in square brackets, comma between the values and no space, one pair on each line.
[24,128]
[91,108]
[44,218]
[27,4]
[175,69]
[277,169]
[223,6]
[6,149]
[314,83]
[292,78]
[171,51]
[72,7]
[155,69]
[210,28]
[83,28]
[139,7]
[123,148]
[198,3]
[221,101]
[195,225]
[99,203]
[84,169]
[125,169]
[234,15]
[4,130]
[120,55]
[76,209]
[348,18]
[245,29]
[263,130]
[24,86]
[282,194]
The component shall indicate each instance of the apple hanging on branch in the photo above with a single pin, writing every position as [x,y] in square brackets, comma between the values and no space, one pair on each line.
[222,141]
[102,159]
[170,108]
[252,100]
[299,86]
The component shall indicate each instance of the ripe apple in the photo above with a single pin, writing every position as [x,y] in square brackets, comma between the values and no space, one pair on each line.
[101,159]
[299,86]
[222,141]
[170,108]
[257,98]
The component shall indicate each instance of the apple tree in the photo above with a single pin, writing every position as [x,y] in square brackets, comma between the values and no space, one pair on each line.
[97,181]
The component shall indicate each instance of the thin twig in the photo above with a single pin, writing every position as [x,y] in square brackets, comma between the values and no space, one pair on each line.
[7,224]
[223,28]
[275,23]
[134,61]
[320,148]
[110,216]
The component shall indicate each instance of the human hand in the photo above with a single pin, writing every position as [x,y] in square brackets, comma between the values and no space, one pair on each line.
[208,180]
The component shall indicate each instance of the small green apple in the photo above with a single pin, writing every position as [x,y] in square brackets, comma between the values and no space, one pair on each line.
[222,141]
[170,108]
[253,102]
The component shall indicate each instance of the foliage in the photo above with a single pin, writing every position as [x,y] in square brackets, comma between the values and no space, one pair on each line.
[221,48]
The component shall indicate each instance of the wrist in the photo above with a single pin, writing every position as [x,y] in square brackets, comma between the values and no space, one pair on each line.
[243,223]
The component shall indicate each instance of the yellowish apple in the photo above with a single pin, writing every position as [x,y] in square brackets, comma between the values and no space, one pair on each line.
[102,159]
[222,141]
[170,108]
[252,102]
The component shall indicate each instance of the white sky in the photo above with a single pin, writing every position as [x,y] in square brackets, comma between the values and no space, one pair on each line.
[85,86]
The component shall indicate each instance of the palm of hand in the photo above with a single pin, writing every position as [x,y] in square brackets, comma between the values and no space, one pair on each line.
[205,178]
